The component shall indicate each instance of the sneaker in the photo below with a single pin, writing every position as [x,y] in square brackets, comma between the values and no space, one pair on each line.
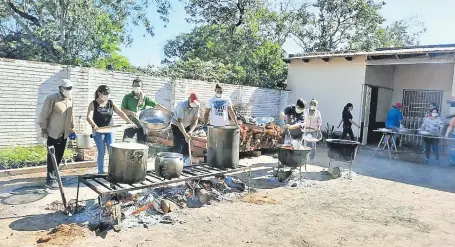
[53,185]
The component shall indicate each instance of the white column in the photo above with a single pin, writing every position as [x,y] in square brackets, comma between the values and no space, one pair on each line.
[452,108]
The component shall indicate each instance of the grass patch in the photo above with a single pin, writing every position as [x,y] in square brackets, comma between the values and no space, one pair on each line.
[19,157]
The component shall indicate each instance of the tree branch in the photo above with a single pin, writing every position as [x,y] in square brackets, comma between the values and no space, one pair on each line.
[24,15]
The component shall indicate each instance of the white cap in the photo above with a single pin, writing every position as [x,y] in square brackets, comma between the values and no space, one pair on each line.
[66,83]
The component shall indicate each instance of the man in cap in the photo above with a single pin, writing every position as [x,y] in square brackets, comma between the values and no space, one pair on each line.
[394,120]
[134,102]
[57,124]
[184,121]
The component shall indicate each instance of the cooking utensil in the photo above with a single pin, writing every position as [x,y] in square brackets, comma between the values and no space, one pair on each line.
[153,120]
[293,157]
[169,165]
[127,163]
[110,129]
[59,179]
[342,150]
[223,146]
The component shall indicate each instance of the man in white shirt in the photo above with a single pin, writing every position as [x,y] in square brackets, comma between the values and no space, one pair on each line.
[218,108]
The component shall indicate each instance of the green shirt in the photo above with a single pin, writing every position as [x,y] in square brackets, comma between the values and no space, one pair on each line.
[130,101]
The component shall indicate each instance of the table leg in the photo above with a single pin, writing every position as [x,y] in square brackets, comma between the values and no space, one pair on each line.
[379,145]
[388,148]
[77,196]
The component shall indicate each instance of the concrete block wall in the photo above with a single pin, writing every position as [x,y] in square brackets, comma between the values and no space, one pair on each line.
[24,85]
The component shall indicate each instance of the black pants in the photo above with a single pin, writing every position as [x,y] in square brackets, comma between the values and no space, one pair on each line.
[130,132]
[180,144]
[347,130]
[431,144]
[60,146]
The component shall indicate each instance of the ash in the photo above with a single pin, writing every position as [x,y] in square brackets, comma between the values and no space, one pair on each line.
[157,206]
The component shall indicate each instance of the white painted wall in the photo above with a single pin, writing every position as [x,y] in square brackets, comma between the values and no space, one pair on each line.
[333,84]
[381,76]
[25,85]
[424,76]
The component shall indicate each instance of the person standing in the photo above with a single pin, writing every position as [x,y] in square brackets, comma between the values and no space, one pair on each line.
[394,120]
[346,120]
[450,133]
[57,124]
[183,123]
[134,102]
[99,114]
[312,126]
[218,108]
[434,125]
[294,116]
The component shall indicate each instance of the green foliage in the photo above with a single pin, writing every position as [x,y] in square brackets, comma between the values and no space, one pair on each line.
[75,32]
[351,25]
[27,155]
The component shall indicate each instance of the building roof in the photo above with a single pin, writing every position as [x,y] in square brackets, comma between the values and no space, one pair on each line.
[387,52]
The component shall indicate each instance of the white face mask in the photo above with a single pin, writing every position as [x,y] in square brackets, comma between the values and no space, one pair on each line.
[298,110]
[434,114]
[218,95]
[66,93]
[313,107]
[104,97]
[137,89]
[193,105]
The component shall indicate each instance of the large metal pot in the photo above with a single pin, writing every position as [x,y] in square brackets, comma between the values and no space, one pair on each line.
[293,157]
[153,120]
[169,165]
[223,146]
[84,141]
[127,163]
[342,150]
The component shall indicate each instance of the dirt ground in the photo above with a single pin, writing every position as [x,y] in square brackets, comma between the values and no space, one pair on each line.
[363,211]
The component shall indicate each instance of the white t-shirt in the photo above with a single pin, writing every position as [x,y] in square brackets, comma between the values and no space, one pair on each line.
[219,110]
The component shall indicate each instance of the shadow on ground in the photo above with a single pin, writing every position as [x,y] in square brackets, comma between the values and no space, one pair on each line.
[40,222]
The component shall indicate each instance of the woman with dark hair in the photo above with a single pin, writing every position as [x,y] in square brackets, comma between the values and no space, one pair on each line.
[434,125]
[99,114]
[346,119]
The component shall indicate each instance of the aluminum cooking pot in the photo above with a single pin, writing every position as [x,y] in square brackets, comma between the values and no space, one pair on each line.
[127,163]
[84,141]
[169,165]
[153,120]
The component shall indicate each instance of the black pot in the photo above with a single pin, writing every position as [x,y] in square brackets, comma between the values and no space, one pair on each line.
[342,150]
[293,158]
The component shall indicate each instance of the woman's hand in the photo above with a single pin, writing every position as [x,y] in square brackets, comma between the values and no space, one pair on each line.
[95,128]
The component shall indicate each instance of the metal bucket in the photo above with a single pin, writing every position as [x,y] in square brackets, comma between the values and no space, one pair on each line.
[127,163]
[84,141]
[223,146]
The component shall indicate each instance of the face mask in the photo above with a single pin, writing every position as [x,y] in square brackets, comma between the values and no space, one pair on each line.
[193,105]
[218,95]
[298,110]
[434,114]
[66,93]
[137,89]
[313,107]
[104,97]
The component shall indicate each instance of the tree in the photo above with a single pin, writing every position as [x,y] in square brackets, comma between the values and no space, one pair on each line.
[213,53]
[350,25]
[72,31]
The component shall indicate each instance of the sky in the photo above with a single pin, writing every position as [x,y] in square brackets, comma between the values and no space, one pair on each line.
[436,15]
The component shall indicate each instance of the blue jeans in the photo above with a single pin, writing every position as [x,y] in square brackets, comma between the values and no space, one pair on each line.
[452,149]
[312,145]
[102,141]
